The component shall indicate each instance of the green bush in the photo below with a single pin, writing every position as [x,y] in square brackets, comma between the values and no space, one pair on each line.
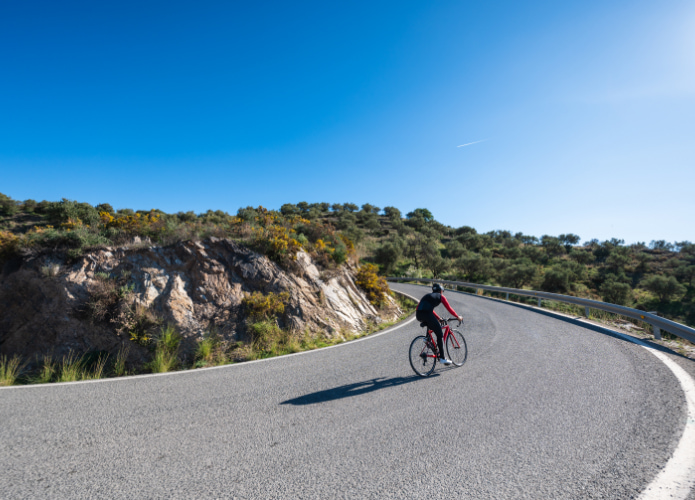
[665,288]
[616,292]
[340,254]
[8,206]
[556,280]
[268,339]
[72,212]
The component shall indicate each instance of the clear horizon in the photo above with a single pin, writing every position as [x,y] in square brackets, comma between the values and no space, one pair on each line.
[538,118]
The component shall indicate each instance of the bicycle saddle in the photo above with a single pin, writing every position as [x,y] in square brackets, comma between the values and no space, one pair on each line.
[423,324]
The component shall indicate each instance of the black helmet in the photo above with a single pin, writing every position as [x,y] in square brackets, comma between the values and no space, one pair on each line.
[436,288]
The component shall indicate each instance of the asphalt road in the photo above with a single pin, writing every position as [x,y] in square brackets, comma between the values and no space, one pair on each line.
[543,408]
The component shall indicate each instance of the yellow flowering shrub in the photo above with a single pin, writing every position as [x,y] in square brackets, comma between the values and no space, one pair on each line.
[135,223]
[349,244]
[277,242]
[71,224]
[261,307]
[9,244]
[374,286]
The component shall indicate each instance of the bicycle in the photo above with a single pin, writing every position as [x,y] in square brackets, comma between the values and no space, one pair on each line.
[424,352]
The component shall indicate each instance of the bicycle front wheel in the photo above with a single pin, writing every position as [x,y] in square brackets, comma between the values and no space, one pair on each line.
[456,348]
[422,358]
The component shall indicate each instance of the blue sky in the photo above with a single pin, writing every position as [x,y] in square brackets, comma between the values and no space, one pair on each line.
[585,110]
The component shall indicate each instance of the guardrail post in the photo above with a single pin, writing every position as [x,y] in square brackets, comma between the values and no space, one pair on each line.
[586,311]
[539,302]
[657,332]
[507,295]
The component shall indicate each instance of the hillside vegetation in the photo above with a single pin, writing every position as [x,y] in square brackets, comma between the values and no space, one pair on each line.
[655,277]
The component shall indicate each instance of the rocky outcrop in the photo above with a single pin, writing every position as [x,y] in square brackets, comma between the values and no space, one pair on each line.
[193,285]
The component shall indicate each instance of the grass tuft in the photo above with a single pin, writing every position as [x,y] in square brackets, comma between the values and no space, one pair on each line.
[119,366]
[48,371]
[9,370]
[166,351]
[71,368]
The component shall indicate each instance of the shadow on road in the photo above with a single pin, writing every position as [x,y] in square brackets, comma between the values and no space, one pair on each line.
[350,390]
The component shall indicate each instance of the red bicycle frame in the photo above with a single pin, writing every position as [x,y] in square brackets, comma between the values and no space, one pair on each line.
[446,331]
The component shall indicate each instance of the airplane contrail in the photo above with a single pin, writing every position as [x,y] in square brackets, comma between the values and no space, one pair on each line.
[468,144]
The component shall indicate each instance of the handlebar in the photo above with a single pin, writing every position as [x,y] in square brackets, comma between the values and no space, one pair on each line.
[453,319]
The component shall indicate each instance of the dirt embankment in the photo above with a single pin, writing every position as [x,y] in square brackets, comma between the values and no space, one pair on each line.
[47,305]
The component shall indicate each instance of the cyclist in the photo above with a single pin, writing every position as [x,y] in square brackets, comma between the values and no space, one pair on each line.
[425,314]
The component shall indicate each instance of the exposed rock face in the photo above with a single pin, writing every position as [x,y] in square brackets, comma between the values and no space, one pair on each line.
[193,285]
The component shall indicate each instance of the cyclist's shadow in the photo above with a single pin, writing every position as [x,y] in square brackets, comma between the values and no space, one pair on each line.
[350,390]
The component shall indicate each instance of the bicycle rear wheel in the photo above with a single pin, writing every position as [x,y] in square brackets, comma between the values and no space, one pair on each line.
[456,348]
[422,358]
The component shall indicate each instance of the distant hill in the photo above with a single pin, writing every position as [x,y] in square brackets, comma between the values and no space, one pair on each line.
[655,277]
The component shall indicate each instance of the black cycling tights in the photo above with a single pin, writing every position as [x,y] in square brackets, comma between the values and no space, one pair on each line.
[433,324]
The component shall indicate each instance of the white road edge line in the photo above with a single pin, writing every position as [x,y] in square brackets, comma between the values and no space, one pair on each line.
[233,365]
[677,478]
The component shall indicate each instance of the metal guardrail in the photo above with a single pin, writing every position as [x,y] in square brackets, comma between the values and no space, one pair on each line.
[657,322]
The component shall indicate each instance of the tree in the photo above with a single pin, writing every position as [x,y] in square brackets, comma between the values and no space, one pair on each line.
[534,254]
[190,216]
[346,220]
[350,207]
[8,206]
[370,220]
[419,247]
[686,273]
[392,213]
[661,245]
[552,245]
[519,274]
[465,230]
[686,248]
[370,209]
[29,205]
[581,256]
[568,240]
[387,255]
[526,239]
[421,212]
[665,288]
[619,258]
[105,207]
[289,209]
[337,207]
[475,268]
[416,221]
[603,250]
[436,264]
[454,249]
[303,206]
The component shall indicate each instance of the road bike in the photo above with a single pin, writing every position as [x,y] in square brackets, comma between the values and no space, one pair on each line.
[424,352]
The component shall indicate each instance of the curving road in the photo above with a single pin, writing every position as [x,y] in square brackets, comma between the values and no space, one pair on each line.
[542,409]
